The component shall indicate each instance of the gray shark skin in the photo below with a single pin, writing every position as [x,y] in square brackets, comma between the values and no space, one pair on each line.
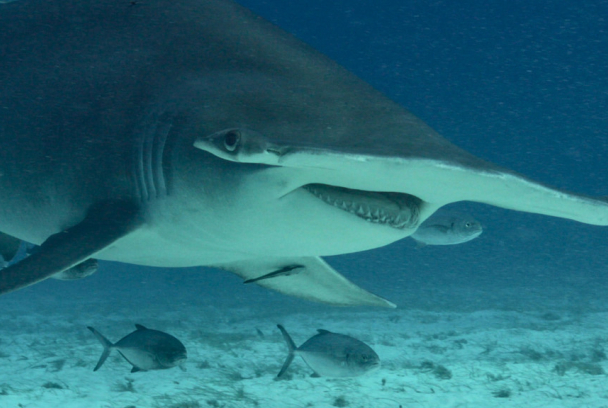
[196,133]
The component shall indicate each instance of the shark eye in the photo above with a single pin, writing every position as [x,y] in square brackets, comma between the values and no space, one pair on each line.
[468,224]
[231,140]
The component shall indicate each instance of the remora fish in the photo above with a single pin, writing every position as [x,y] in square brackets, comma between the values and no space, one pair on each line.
[82,270]
[445,229]
[193,132]
[332,355]
[145,349]
[10,250]
[79,271]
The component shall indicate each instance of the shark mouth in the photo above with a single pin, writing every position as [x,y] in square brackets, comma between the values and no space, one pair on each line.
[396,210]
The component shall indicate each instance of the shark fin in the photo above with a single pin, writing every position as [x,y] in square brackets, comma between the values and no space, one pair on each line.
[104,224]
[309,278]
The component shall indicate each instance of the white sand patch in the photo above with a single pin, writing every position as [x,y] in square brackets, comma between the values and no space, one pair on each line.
[481,359]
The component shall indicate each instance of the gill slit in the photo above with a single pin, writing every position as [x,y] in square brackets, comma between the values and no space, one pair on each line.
[149,149]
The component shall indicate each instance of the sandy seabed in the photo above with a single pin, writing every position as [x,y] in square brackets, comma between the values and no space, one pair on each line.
[429,359]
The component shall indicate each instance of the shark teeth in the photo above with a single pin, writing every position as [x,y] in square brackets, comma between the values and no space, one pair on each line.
[396,210]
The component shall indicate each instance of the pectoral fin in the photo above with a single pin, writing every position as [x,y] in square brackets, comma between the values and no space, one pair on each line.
[104,224]
[309,278]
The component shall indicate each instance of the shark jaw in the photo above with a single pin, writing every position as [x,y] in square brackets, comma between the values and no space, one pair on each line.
[396,210]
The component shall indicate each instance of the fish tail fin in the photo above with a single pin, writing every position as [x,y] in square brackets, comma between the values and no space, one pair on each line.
[107,347]
[292,350]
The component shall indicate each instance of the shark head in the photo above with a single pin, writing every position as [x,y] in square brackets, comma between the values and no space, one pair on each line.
[311,160]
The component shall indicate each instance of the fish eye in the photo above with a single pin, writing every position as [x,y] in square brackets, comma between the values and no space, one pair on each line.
[231,140]
[468,224]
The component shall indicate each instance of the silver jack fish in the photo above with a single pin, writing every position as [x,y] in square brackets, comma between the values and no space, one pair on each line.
[145,349]
[332,354]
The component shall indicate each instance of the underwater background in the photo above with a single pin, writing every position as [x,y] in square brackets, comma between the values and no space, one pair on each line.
[523,84]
